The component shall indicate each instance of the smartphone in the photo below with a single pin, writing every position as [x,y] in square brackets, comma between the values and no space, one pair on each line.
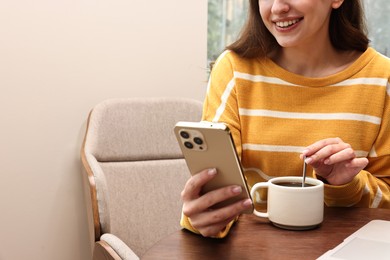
[210,145]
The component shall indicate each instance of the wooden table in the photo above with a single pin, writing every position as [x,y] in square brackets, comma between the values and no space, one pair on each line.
[254,238]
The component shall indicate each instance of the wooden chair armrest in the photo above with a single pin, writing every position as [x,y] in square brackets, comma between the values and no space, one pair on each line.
[119,247]
[92,189]
[103,251]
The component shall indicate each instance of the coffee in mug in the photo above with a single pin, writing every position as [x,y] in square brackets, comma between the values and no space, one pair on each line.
[291,206]
[294,184]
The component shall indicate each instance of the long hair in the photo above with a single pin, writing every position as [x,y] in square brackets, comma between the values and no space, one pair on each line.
[347,30]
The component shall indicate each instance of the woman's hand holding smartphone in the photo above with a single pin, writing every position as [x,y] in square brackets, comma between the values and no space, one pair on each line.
[199,207]
[217,192]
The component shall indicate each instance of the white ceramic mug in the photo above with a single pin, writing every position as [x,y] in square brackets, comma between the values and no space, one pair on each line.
[292,207]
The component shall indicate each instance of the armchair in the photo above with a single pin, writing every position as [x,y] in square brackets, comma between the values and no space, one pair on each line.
[135,171]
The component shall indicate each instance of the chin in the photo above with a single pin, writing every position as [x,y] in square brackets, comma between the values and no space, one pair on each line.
[286,44]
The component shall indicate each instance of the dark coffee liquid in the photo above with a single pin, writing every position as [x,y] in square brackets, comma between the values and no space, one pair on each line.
[293,184]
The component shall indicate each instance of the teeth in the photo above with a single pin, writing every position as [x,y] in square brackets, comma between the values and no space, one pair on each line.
[286,23]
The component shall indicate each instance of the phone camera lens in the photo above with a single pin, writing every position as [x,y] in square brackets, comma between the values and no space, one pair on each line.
[198,140]
[188,145]
[184,134]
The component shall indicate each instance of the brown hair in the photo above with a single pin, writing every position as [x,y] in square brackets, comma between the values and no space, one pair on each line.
[347,31]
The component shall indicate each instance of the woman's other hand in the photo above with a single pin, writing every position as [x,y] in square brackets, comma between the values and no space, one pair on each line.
[198,207]
[334,160]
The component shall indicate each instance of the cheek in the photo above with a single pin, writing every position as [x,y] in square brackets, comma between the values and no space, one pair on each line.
[265,17]
[265,9]
[264,12]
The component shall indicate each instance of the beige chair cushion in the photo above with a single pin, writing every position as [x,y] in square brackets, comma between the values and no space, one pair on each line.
[144,200]
[139,129]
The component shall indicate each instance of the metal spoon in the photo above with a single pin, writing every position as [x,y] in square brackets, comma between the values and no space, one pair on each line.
[304,171]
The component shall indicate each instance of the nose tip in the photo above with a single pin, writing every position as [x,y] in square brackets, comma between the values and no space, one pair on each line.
[280,6]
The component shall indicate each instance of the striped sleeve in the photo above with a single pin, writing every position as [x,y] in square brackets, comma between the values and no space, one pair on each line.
[371,187]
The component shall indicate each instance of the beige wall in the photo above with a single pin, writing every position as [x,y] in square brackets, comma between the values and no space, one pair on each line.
[57,60]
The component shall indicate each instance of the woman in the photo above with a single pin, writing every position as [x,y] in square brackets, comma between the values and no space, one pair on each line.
[300,82]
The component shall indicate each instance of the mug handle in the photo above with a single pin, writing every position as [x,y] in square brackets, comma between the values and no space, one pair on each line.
[259,185]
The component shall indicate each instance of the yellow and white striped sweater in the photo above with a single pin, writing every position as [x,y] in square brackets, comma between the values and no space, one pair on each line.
[274,114]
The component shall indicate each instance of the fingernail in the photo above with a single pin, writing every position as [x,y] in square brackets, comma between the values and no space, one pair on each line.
[308,160]
[247,202]
[305,151]
[327,161]
[212,171]
[237,189]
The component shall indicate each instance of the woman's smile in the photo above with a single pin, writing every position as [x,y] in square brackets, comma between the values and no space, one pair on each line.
[287,23]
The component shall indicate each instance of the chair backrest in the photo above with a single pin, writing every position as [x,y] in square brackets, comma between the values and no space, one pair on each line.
[135,167]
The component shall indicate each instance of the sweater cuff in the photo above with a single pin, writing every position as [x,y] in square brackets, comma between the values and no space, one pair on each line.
[345,195]
[185,222]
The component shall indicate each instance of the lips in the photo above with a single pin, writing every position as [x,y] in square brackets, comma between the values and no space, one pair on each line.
[286,24]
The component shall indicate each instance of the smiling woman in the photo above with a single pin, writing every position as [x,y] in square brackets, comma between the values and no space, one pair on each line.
[301,84]
[226,17]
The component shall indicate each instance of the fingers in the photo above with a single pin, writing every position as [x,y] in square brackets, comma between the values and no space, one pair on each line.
[328,151]
[206,201]
[346,172]
[198,206]
[210,230]
[211,198]
[210,223]
[334,160]
[329,156]
[358,163]
[194,185]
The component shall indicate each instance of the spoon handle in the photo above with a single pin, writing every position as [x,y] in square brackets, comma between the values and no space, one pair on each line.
[304,171]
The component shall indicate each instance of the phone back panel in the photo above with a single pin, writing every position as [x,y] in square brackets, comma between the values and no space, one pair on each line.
[210,145]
